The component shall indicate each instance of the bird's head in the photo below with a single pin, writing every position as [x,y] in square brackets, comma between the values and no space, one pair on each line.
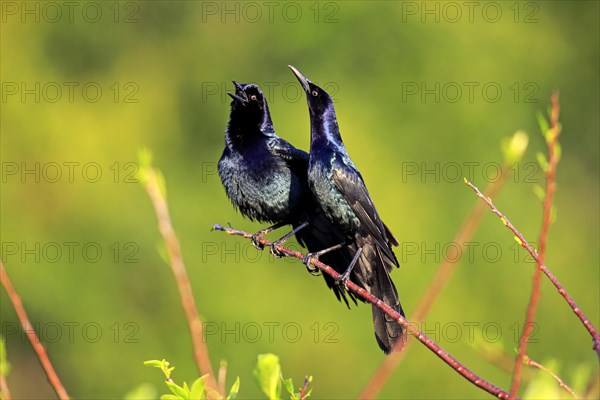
[250,105]
[319,101]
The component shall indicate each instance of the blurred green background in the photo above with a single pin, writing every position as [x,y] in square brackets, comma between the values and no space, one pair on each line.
[85,86]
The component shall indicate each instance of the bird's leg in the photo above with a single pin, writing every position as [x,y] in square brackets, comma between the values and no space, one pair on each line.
[312,257]
[275,251]
[260,234]
[343,279]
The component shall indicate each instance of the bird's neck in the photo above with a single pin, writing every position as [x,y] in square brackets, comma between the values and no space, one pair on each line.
[324,129]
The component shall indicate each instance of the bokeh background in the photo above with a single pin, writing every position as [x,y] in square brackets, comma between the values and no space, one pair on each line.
[86,86]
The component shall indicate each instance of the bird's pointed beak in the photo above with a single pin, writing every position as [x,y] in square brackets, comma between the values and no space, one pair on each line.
[237,98]
[301,78]
[238,87]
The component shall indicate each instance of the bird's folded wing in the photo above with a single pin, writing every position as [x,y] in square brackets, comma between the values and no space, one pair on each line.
[352,187]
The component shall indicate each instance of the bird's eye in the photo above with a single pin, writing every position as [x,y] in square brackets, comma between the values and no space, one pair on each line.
[253,97]
[315,93]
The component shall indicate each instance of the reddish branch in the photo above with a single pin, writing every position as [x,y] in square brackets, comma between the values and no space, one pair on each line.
[357,290]
[528,361]
[441,278]
[39,348]
[546,222]
[183,283]
[561,290]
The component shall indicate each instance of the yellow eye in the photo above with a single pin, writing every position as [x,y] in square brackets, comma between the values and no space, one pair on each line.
[253,97]
[315,93]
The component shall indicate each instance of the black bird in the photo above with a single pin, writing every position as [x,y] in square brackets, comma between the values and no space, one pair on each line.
[265,177]
[340,190]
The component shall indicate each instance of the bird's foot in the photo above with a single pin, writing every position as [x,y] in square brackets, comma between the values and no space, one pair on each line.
[256,240]
[343,279]
[275,251]
[308,260]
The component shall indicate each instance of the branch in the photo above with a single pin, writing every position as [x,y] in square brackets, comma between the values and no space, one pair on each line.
[410,328]
[515,148]
[525,244]
[153,186]
[39,348]
[441,278]
[528,361]
[546,222]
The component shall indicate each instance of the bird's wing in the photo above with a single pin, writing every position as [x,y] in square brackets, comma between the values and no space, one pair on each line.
[351,186]
[286,151]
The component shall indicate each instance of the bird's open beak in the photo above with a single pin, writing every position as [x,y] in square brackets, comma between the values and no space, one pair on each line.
[301,78]
[238,87]
[237,98]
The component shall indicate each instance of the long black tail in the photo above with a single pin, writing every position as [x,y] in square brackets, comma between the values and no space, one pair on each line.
[373,274]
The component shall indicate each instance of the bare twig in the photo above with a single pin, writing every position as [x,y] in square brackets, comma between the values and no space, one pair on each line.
[39,348]
[183,283]
[561,383]
[222,378]
[4,391]
[525,244]
[546,222]
[304,389]
[441,278]
[428,342]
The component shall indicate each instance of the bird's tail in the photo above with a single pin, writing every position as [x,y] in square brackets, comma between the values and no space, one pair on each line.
[387,330]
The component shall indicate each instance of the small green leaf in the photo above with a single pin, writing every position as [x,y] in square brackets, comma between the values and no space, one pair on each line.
[542,122]
[289,386]
[4,364]
[145,164]
[198,390]
[268,372]
[169,396]
[539,192]
[141,392]
[557,151]
[541,159]
[235,388]
[178,390]
[163,365]
[514,148]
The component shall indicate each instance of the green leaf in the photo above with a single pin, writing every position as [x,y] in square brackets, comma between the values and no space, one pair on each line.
[178,390]
[557,151]
[541,159]
[539,192]
[4,364]
[142,391]
[542,122]
[268,372]
[289,386]
[163,365]
[235,388]
[514,148]
[198,390]
[169,397]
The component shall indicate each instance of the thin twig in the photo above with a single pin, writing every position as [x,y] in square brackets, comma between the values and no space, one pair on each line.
[528,361]
[546,222]
[4,391]
[222,378]
[39,348]
[181,277]
[525,244]
[303,390]
[441,278]
[428,342]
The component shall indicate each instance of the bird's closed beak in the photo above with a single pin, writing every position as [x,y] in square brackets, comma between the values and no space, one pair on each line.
[301,78]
